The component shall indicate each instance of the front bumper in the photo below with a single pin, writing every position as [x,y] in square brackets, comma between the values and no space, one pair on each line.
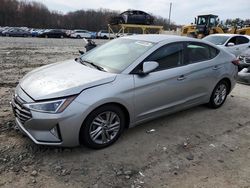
[244,62]
[60,129]
[244,76]
[27,133]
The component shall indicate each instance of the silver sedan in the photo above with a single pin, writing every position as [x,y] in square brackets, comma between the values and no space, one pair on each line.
[127,81]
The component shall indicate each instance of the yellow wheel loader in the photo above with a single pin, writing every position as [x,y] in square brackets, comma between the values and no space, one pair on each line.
[209,24]
[204,25]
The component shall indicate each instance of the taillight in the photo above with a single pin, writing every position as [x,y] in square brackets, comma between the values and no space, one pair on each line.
[236,62]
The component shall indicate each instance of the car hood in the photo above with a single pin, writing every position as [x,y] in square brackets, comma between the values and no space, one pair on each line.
[62,79]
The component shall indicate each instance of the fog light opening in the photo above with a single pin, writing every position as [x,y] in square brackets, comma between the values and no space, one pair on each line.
[56,132]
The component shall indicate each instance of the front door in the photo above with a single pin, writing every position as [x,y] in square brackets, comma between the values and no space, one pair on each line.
[166,87]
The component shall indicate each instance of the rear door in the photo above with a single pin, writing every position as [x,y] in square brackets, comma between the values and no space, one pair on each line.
[203,71]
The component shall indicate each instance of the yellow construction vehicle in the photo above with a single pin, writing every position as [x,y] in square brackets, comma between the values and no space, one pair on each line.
[244,31]
[209,24]
[204,25]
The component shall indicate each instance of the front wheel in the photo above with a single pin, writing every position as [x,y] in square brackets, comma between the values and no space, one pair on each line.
[219,94]
[102,127]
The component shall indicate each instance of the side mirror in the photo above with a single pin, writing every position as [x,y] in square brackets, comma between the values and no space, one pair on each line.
[230,44]
[149,66]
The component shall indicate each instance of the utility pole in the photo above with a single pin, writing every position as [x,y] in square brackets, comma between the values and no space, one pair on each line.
[169,16]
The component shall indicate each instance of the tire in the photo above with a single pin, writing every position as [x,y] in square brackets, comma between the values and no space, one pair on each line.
[46,36]
[100,133]
[78,36]
[61,36]
[105,37]
[219,95]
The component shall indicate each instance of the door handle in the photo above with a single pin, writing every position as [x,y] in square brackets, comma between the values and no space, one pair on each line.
[182,77]
[216,67]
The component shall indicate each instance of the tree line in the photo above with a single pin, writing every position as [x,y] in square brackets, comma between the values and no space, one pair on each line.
[237,22]
[37,15]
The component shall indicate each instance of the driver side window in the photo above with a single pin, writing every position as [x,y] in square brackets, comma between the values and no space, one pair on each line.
[168,56]
[232,40]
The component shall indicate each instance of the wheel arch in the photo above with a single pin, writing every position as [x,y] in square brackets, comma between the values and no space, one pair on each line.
[228,81]
[121,106]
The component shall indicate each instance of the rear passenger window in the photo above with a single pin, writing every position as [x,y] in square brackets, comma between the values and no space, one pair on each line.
[213,52]
[168,56]
[197,52]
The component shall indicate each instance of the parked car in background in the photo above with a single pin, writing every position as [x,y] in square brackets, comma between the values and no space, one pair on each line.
[34,32]
[93,34]
[124,82]
[53,33]
[16,32]
[132,17]
[104,34]
[2,29]
[80,34]
[245,59]
[234,43]
[244,76]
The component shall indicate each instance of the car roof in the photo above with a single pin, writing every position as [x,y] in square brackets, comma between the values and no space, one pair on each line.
[156,38]
[228,34]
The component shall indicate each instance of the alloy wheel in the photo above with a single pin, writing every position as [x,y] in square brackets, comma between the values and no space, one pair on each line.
[104,127]
[220,94]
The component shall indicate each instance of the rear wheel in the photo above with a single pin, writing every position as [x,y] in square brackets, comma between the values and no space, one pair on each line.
[61,36]
[219,94]
[78,36]
[102,127]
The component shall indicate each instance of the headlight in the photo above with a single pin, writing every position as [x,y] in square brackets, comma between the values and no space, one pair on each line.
[55,106]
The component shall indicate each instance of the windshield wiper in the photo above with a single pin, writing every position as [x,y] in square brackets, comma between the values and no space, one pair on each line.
[91,63]
[94,65]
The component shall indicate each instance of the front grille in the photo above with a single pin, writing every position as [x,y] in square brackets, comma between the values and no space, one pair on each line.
[247,60]
[20,111]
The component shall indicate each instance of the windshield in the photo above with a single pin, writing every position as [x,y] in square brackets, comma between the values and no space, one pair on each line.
[118,54]
[202,20]
[217,40]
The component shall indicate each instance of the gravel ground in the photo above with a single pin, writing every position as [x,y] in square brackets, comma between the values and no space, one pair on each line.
[198,147]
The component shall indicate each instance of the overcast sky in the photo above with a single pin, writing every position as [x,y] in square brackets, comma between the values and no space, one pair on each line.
[183,11]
